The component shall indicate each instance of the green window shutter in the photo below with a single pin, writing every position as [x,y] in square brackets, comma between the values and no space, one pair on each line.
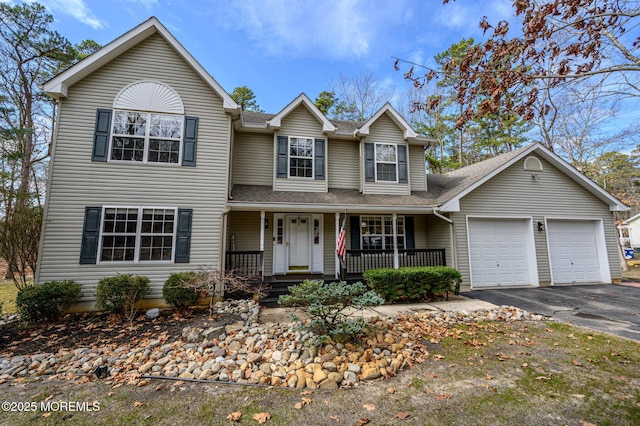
[319,159]
[354,222]
[101,135]
[283,150]
[190,141]
[183,236]
[410,239]
[402,164]
[90,235]
[369,162]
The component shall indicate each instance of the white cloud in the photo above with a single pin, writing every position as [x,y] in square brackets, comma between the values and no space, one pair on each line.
[333,29]
[77,9]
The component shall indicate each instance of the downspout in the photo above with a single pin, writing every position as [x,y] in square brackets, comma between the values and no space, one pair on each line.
[223,251]
[452,240]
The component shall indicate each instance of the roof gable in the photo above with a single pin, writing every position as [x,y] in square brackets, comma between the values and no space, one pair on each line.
[58,86]
[456,184]
[276,121]
[387,109]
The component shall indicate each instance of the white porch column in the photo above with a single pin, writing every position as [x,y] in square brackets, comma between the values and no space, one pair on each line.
[396,260]
[263,214]
[335,252]
[262,219]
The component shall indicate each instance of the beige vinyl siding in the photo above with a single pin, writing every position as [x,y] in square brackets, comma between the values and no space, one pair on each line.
[76,182]
[253,159]
[384,130]
[344,171]
[301,123]
[330,237]
[417,171]
[438,236]
[244,229]
[514,193]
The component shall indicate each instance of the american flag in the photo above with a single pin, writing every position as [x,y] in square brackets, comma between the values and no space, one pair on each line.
[341,247]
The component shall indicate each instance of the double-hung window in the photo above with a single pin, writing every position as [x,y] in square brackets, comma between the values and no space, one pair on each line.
[137,234]
[386,162]
[300,157]
[377,232]
[146,137]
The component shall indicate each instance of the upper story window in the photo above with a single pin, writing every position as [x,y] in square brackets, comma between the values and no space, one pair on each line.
[386,162]
[148,125]
[300,157]
[146,137]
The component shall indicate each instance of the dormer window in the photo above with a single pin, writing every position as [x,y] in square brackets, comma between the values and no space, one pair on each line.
[300,157]
[386,162]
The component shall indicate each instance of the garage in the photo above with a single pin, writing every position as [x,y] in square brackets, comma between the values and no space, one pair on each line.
[502,252]
[577,251]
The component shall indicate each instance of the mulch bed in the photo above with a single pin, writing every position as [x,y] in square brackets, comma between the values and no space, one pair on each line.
[99,329]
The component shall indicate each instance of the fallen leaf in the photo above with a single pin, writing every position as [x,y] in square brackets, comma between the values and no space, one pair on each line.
[49,398]
[362,422]
[116,386]
[590,337]
[489,377]
[235,416]
[433,376]
[391,391]
[578,395]
[298,405]
[179,383]
[159,387]
[261,417]
[111,393]
[543,378]
[46,414]
[369,407]
[576,363]
[138,403]
[403,415]
[335,419]
[525,365]
[443,396]
[438,357]
[306,393]
[142,383]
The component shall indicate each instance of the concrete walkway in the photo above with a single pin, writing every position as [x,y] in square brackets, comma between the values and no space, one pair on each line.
[455,303]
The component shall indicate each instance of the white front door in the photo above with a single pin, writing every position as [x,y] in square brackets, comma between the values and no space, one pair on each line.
[298,234]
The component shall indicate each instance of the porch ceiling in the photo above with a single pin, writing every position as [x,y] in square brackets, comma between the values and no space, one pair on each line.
[255,197]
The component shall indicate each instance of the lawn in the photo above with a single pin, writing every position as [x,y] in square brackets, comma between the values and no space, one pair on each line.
[8,293]
[525,373]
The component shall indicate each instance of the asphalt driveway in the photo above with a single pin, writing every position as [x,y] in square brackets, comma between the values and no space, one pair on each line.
[610,308]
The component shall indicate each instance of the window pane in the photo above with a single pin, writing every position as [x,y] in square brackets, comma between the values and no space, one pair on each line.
[385,153]
[163,151]
[386,172]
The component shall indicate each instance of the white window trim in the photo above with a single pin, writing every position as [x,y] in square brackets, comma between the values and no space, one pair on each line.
[313,158]
[145,154]
[375,161]
[383,235]
[136,257]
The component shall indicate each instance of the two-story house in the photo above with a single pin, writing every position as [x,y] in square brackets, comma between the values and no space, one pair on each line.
[155,170]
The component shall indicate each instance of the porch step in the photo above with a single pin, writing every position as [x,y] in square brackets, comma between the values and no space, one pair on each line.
[280,286]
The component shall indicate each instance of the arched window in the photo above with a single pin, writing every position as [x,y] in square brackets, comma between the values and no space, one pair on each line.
[532,164]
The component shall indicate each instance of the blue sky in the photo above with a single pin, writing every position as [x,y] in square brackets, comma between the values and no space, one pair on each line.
[281,48]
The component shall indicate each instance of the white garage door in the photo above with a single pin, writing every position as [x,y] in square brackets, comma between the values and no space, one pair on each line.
[501,252]
[573,250]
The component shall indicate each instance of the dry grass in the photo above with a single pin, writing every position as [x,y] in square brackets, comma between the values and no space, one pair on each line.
[8,293]
[496,373]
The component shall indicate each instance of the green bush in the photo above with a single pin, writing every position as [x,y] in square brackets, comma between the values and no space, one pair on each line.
[331,308]
[412,284]
[47,301]
[176,294]
[120,294]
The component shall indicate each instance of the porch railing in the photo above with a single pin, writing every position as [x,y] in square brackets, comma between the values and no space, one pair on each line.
[359,261]
[246,263]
